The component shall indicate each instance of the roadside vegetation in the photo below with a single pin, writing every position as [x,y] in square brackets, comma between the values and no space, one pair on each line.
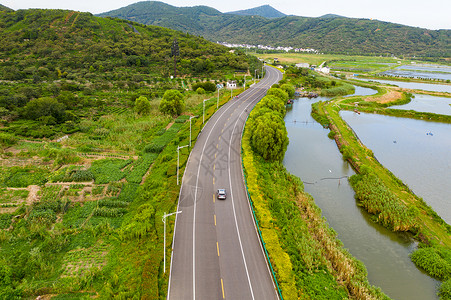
[383,195]
[88,137]
[310,262]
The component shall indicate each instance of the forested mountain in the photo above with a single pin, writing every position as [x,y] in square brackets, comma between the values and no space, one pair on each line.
[265,11]
[44,53]
[2,7]
[326,34]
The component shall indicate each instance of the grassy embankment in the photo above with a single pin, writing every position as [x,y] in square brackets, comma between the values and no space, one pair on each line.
[92,225]
[391,202]
[310,262]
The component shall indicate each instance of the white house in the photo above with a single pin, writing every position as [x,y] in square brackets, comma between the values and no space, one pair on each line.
[231,84]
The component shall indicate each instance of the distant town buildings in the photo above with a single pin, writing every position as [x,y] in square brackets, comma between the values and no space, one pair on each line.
[263,47]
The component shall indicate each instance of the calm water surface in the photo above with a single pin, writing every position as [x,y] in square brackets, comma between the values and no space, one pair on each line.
[426,103]
[414,85]
[422,71]
[315,158]
[417,152]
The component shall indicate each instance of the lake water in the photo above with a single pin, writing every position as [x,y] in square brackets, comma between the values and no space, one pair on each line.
[315,158]
[422,71]
[426,103]
[414,85]
[417,152]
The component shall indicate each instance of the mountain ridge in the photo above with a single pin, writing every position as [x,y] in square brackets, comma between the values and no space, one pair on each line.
[266,11]
[330,33]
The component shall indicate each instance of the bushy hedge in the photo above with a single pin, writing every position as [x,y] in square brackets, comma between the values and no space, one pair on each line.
[206,86]
[435,262]
[378,199]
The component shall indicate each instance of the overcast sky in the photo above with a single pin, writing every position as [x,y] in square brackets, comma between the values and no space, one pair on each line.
[430,14]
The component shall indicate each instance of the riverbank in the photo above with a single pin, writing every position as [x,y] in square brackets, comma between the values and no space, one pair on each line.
[391,202]
[308,259]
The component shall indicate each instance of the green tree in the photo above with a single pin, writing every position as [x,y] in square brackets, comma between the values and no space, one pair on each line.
[273,103]
[142,106]
[269,137]
[289,89]
[42,107]
[200,91]
[278,93]
[172,103]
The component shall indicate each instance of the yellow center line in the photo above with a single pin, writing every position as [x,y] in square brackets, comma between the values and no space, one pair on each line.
[222,286]
[215,219]
[213,181]
[219,138]
[217,247]
[214,197]
[214,166]
[215,155]
[217,146]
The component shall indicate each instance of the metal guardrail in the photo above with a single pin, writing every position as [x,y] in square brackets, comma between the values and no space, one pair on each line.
[256,223]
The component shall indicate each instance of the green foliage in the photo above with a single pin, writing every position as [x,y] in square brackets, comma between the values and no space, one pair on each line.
[23,177]
[7,139]
[140,168]
[200,91]
[172,103]
[108,170]
[44,108]
[159,143]
[363,36]
[378,199]
[142,106]
[142,223]
[206,86]
[278,92]
[269,135]
[445,290]
[435,262]
[289,89]
[273,103]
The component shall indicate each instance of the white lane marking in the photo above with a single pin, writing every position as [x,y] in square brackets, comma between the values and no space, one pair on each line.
[195,197]
[255,90]
[233,205]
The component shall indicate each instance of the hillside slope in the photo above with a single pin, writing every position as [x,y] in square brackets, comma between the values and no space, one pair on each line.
[76,41]
[336,35]
[265,11]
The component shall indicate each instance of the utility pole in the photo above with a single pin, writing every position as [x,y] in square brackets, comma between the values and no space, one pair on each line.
[175,51]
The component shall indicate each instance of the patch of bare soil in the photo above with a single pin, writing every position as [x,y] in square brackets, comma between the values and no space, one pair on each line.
[33,195]
[387,98]
[169,125]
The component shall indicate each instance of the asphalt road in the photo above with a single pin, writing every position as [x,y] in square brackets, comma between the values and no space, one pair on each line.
[216,250]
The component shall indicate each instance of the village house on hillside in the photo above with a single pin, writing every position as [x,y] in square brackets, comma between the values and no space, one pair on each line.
[231,84]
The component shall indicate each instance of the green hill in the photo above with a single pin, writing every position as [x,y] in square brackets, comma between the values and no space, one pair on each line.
[4,8]
[326,34]
[265,11]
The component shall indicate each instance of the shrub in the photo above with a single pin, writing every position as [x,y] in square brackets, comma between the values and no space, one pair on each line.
[142,106]
[172,103]
[432,261]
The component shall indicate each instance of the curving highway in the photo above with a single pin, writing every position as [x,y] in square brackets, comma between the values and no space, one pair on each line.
[216,250]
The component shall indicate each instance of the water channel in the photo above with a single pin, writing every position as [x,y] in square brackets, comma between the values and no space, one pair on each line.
[422,71]
[414,85]
[315,158]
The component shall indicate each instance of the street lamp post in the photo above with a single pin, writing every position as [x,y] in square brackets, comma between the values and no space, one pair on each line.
[178,161]
[164,248]
[217,102]
[190,129]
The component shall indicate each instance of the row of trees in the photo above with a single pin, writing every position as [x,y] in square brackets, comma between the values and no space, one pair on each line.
[269,137]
